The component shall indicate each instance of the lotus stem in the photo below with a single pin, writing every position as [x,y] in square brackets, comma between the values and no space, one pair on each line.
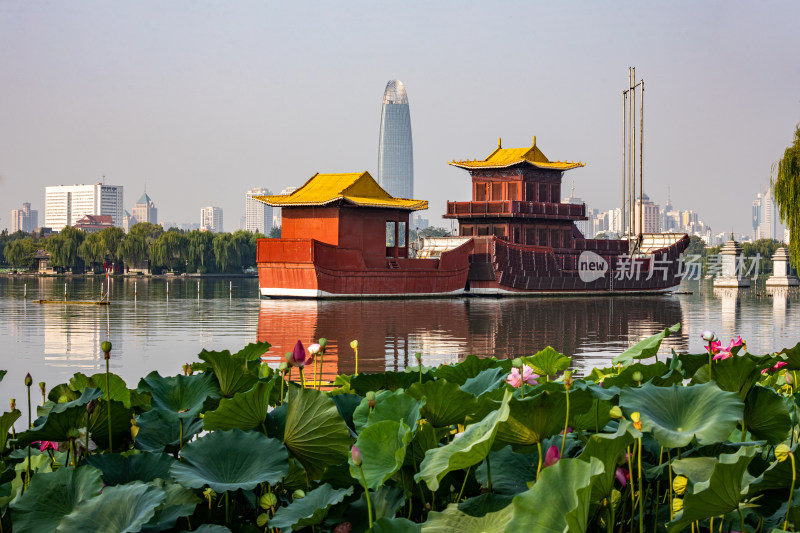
[791,490]
[610,527]
[87,437]
[744,430]
[28,382]
[321,364]
[669,467]
[709,362]
[355,349]
[227,501]
[566,426]
[302,376]
[464,484]
[538,468]
[282,380]
[72,449]
[180,437]
[658,491]
[108,401]
[366,492]
[641,489]
[315,384]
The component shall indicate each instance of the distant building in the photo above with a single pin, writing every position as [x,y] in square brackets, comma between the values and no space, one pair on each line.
[584,226]
[766,221]
[211,219]
[168,224]
[651,213]
[395,150]
[66,204]
[25,219]
[145,210]
[417,222]
[276,211]
[193,226]
[258,215]
[94,223]
[127,221]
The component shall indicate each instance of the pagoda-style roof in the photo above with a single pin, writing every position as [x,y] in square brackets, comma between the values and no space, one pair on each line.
[345,189]
[507,157]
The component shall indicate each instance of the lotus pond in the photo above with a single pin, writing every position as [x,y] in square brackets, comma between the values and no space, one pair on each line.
[691,442]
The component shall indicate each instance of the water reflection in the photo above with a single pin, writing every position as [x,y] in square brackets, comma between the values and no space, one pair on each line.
[729,309]
[391,331]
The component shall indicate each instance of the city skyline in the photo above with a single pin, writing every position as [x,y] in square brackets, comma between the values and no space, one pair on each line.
[253,110]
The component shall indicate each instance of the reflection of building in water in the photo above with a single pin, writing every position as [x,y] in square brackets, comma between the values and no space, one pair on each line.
[389,332]
[780,303]
[729,309]
[74,343]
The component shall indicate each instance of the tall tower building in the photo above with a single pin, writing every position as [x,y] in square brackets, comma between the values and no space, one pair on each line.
[145,210]
[395,153]
[25,219]
[258,215]
[66,204]
[211,219]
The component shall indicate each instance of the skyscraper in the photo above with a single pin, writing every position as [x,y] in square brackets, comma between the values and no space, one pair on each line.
[145,210]
[66,204]
[395,153]
[211,219]
[258,215]
[25,219]
[764,216]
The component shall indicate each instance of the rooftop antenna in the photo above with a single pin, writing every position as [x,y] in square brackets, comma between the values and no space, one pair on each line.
[572,193]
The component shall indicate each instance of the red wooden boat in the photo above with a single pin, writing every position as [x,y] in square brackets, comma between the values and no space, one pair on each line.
[343,236]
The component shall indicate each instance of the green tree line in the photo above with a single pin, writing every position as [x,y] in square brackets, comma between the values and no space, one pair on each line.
[144,246]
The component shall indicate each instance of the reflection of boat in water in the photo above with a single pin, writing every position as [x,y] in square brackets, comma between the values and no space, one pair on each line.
[391,331]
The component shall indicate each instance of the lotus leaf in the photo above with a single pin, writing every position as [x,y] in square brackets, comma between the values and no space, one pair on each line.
[594,418]
[445,403]
[246,410]
[209,528]
[608,449]
[766,415]
[426,438]
[451,520]
[734,374]
[511,471]
[119,469]
[180,502]
[488,502]
[676,415]
[646,348]
[487,381]
[363,383]
[310,510]
[690,363]
[386,501]
[51,496]
[62,393]
[466,369]
[179,397]
[548,362]
[314,432]
[232,373]
[3,374]
[383,448]
[346,405]
[389,406]
[253,351]
[121,508]
[792,357]
[119,390]
[656,373]
[395,525]
[719,494]
[6,421]
[469,449]
[559,501]
[157,433]
[231,460]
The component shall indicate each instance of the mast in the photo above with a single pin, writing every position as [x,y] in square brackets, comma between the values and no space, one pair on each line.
[633,231]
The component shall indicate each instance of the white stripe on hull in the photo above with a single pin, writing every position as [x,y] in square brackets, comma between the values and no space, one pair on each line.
[274,292]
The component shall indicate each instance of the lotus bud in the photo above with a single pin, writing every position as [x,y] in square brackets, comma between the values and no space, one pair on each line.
[91,406]
[516,363]
[789,379]
[355,453]
[134,428]
[636,419]
[42,387]
[418,357]
[289,359]
[354,345]
[323,342]
[679,484]
[299,354]
[283,366]
[452,488]
[28,380]
[268,501]
[314,349]
[677,505]
[637,377]
[262,520]
[782,452]
[615,412]
[371,399]
[298,495]
[708,335]
[105,347]
[568,381]
[187,369]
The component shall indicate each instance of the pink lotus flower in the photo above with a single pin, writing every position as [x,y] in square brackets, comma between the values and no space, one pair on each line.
[46,444]
[298,356]
[552,456]
[569,430]
[725,353]
[777,366]
[714,347]
[515,379]
[622,476]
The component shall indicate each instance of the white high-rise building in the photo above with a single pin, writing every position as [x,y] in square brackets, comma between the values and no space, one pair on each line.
[276,212]
[584,226]
[764,216]
[651,213]
[66,204]
[211,219]
[258,215]
[25,219]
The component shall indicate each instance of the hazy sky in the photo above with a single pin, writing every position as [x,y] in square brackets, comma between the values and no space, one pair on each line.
[203,100]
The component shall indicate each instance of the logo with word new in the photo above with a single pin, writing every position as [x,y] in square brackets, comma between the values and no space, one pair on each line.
[591,266]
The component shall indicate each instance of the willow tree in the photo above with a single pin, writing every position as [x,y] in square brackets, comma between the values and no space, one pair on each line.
[787,194]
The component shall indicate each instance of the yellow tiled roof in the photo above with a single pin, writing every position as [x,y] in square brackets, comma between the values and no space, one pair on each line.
[506,157]
[356,189]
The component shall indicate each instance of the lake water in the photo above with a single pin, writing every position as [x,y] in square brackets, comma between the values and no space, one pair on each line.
[155,330]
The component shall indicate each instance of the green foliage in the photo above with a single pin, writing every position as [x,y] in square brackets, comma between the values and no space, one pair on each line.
[310,510]
[787,194]
[63,247]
